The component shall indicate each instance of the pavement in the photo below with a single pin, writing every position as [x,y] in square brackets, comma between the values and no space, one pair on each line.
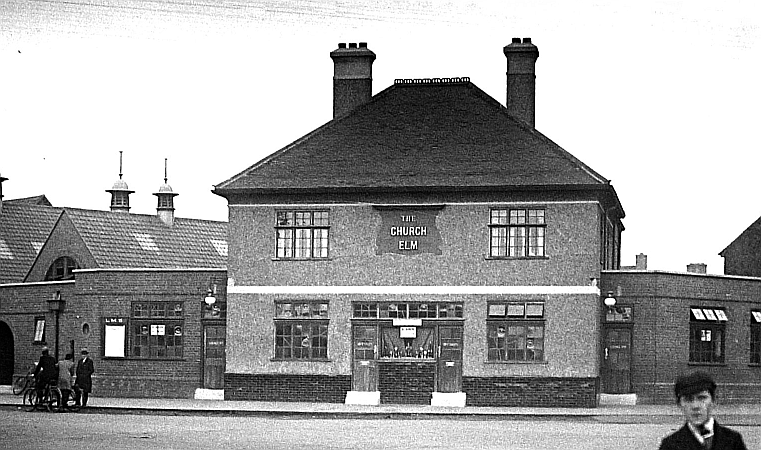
[732,415]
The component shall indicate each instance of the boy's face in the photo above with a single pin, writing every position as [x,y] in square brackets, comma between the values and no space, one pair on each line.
[697,408]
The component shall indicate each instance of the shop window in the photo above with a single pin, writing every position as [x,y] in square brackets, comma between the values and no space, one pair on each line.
[407,342]
[707,335]
[39,330]
[301,330]
[157,330]
[61,269]
[517,233]
[416,310]
[515,331]
[755,337]
[302,234]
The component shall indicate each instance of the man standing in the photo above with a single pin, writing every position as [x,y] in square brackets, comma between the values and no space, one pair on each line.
[695,395]
[44,373]
[83,385]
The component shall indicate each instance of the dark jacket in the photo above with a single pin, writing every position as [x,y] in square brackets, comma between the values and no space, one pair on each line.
[46,369]
[723,439]
[85,369]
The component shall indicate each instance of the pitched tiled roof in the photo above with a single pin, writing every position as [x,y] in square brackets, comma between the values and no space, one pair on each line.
[24,228]
[121,240]
[419,135]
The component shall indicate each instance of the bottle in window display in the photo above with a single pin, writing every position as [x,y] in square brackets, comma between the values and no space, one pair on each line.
[395,352]
[408,350]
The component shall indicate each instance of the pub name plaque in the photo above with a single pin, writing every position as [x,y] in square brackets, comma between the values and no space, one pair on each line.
[408,230]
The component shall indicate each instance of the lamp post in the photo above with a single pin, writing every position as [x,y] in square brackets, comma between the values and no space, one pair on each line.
[56,305]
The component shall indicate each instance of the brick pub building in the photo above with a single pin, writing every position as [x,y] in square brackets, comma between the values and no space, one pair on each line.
[427,245]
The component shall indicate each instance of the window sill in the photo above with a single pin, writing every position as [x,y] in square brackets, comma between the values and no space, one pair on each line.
[503,363]
[513,258]
[717,364]
[302,360]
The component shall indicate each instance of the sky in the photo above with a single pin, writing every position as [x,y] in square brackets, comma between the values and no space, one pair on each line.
[660,97]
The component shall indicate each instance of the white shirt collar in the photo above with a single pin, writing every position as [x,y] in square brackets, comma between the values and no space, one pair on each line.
[708,426]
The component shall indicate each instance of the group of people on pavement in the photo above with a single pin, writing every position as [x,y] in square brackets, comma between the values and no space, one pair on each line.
[48,371]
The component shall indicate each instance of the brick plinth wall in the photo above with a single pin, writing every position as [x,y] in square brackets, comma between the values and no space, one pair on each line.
[144,387]
[535,392]
[287,387]
[406,382]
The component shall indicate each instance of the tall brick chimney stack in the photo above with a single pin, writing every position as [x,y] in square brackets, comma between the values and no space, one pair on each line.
[521,79]
[352,77]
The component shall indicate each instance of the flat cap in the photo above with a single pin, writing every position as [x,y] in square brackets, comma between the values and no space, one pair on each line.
[694,383]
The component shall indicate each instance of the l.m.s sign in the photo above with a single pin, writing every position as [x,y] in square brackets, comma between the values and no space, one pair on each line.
[408,230]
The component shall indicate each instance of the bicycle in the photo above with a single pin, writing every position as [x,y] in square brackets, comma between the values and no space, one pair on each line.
[49,401]
[23,382]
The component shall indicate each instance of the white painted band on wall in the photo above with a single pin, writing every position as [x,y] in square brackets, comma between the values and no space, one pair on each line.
[422,290]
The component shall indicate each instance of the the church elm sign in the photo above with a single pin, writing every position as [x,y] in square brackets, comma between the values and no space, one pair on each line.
[408,230]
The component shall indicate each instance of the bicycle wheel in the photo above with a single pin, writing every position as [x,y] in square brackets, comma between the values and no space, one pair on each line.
[19,384]
[30,399]
[53,400]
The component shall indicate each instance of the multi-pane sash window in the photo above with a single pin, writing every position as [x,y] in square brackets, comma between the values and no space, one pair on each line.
[707,335]
[515,331]
[301,330]
[755,337]
[302,234]
[156,330]
[517,233]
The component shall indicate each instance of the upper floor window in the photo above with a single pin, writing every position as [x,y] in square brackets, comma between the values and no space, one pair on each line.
[755,337]
[515,331]
[157,329]
[61,269]
[707,335]
[517,233]
[302,234]
[301,330]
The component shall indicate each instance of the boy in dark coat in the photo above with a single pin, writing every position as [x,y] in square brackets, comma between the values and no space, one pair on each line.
[83,385]
[695,395]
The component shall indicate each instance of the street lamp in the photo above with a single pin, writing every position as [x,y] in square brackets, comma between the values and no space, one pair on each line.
[210,295]
[56,305]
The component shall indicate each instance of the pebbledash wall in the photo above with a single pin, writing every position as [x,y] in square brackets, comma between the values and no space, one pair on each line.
[661,305]
[462,272]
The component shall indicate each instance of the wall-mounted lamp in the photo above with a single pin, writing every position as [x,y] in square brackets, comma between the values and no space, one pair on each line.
[210,295]
[609,301]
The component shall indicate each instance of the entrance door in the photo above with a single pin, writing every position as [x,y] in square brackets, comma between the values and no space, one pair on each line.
[6,354]
[616,368]
[450,359]
[214,357]
[365,351]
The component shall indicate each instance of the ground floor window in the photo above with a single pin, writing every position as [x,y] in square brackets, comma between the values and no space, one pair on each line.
[515,331]
[157,330]
[755,337]
[707,335]
[301,330]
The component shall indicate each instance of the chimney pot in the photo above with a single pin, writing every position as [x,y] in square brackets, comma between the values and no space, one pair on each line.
[341,45]
[697,268]
[352,45]
[363,45]
[516,40]
[641,262]
[526,40]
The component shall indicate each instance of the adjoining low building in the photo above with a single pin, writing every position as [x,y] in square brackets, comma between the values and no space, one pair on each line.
[136,290]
